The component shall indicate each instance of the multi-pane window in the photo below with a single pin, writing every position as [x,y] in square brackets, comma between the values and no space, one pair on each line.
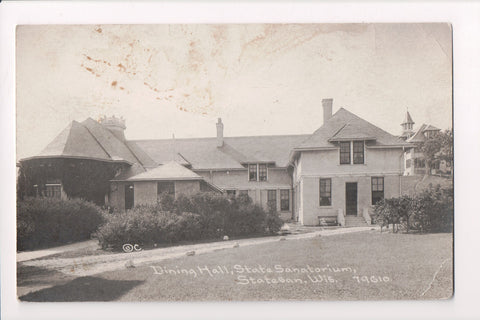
[53,191]
[166,187]
[326,192]
[252,172]
[358,155]
[262,172]
[345,152]
[377,189]
[272,199]
[284,200]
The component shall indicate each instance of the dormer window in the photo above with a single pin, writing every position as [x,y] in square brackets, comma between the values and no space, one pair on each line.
[345,152]
[262,172]
[252,172]
[358,155]
[352,150]
[257,172]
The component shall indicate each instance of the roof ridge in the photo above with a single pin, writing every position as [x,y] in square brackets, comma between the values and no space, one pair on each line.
[213,138]
[96,140]
[68,137]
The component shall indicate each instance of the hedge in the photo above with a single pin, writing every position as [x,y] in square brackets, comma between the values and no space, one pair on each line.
[198,217]
[429,211]
[43,222]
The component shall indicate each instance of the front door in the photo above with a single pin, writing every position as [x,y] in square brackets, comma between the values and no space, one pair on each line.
[129,193]
[351,198]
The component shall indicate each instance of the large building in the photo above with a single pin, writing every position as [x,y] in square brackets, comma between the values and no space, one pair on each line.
[333,175]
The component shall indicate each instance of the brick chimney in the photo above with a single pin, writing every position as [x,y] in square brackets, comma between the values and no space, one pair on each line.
[219,133]
[115,125]
[327,109]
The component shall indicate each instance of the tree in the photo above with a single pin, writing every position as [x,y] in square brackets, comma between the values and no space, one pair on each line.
[438,147]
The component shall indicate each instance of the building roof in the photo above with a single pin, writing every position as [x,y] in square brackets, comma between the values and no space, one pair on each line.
[90,140]
[169,171]
[419,136]
[429,127]
[344,125]
[203,153]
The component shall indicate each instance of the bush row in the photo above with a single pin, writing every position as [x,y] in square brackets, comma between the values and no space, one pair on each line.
[45,222]
[201,216]
[429,211]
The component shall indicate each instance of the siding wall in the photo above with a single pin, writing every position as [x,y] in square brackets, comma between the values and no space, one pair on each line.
[277,179]
[313,165]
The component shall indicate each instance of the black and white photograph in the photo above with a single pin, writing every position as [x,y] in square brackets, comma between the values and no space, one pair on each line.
[234,162]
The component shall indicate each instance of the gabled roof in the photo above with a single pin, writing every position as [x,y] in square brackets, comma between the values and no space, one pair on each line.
[347,126]
[203,153]
[169,171]
[419,136]
[429,127]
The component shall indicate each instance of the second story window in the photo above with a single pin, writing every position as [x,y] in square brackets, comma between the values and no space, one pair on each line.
[252,172]
[345,152]
[358,156]
[262,172]
[257,172]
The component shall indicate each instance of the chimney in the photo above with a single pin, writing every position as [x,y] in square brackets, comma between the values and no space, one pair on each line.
[219,133]
[327,109]
[115,125]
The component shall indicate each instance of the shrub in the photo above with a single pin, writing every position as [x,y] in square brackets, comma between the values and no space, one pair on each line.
[198,217]
[429,211]
[45,222]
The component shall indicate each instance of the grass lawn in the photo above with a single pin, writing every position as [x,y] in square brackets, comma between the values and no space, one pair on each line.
[356,266]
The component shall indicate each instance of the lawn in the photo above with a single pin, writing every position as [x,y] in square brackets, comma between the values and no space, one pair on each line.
[357,266]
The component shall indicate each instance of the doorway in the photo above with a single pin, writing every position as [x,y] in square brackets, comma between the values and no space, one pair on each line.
[351,198]
[129,199]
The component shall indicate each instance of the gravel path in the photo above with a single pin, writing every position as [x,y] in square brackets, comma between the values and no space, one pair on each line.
[93,264]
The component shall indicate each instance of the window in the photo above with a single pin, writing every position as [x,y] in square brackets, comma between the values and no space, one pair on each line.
[345,152]
[272,199]
[377,189]
[166,187]
[262,172]
[243,193]
[231,194]
[284,200]
[419,163]
[53,191]
[252,172]
[326,192]
[358,157]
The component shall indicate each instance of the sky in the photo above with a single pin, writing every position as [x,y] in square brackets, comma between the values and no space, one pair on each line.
[261,79]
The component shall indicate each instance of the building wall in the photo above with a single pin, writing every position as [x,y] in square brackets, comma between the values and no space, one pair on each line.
[116,197]
[328,162]
[387,163]
[186,187]
[277,179]
[144,192]
[311,209]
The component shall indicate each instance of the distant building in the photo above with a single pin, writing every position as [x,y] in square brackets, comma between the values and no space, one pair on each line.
[333,175]
[415,163]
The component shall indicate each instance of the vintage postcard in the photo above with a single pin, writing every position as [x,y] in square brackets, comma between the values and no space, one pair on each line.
[234,162]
